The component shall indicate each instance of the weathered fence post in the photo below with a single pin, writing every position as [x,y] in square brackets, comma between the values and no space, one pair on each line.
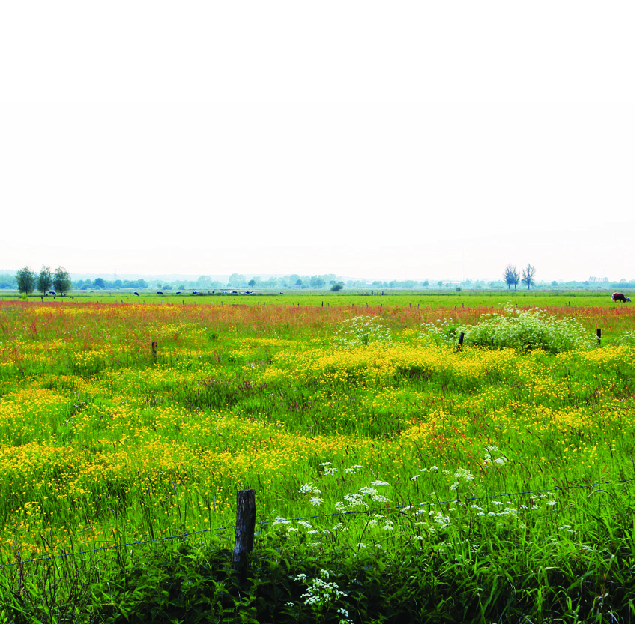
[153,347]
[245,527]
[460,345]
[598,333]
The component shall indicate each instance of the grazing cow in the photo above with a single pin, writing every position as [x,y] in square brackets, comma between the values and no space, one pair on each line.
[178,292]
[135,293]
[619,297]
[159,292]
[52,292]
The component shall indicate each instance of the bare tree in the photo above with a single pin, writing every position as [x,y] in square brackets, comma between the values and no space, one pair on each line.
[528,275]
[511,276]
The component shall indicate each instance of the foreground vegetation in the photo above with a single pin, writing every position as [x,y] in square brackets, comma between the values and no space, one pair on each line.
[397,477]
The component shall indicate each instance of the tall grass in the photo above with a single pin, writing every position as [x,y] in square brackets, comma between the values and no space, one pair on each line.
[322,413]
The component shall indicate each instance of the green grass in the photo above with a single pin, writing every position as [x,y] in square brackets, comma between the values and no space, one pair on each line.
[430,447]
[372,297]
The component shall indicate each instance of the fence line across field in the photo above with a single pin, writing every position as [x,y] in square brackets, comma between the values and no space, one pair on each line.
[244,541]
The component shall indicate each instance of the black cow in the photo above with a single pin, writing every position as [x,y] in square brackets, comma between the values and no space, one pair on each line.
[159,292]
[619,297]
[135,293]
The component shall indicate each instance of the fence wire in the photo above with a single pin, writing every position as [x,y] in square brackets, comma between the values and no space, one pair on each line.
[338,513]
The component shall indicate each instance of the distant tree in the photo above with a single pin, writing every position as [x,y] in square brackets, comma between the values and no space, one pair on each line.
[45,280]
[337,287]
[252,282]
[236,280]
[511,276]
[8,281]
[26,280]
[61,281]
[528,275]
[99,283]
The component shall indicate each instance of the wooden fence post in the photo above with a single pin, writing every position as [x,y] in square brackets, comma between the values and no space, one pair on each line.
[460,345]
[245,526]
[598,333]
[153,347]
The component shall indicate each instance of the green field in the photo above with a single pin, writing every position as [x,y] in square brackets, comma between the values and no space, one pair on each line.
[430,483]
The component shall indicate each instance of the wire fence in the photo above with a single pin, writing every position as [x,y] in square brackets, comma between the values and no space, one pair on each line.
[303,518]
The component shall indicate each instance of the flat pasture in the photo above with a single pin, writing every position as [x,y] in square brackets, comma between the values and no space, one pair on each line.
[356,441]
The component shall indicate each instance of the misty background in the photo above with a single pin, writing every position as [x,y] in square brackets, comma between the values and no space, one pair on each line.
[383,142]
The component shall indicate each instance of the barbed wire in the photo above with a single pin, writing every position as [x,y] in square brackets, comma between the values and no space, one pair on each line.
[302,518]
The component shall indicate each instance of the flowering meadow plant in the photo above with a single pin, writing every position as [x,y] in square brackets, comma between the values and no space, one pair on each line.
[361,331]
[522,330]
[389,450]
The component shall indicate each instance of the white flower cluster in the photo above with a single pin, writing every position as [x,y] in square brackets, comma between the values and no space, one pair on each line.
[360,331]
[434,469]
[353,469]
[464,474]
[309,488]
[281,521]
[490,460]
[441,332]
[352,501]
[439,518]
[627,339]
[320,591]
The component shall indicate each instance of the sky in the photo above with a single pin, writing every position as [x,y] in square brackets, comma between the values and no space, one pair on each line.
[379,140]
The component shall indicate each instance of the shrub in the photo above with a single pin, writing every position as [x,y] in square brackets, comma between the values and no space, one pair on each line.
[522,330]
[627,339]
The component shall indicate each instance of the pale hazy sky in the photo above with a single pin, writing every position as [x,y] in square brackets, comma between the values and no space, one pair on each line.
[380,140]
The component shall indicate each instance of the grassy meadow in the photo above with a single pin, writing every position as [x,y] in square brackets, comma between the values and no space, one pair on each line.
[396,476]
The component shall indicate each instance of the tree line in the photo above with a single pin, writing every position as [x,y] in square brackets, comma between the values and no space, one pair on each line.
[512,278]
[58,282]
